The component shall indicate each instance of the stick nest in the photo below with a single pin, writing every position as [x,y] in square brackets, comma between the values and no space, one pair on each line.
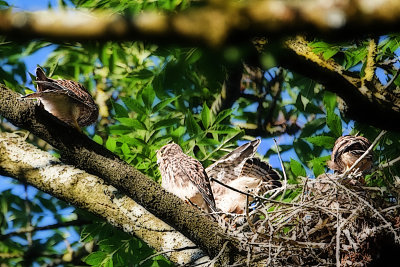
[329,222]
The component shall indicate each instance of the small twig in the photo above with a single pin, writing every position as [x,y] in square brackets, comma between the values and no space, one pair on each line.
[214,260]
[338,240]
[42,228]
[376,212]
[283,170]
[248,217]
[351,241]
[389,164]
[363,155]
[260,197]
[391,208]
[391,80]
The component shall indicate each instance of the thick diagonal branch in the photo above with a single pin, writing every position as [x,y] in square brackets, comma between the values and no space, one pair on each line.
[80,151]
[29,164]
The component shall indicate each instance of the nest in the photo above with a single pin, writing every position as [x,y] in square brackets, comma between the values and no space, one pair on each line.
[330,221]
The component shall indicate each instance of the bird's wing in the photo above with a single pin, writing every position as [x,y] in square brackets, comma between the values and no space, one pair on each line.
[223,169]
[256,168]
[60,88]
[197,175]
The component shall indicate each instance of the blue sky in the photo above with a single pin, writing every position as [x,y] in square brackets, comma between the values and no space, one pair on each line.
[32,5]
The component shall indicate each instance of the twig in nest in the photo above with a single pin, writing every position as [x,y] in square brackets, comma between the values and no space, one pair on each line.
[260,197]
[283,170]
[338,239]
[214,260]
[375,211]
[248,217]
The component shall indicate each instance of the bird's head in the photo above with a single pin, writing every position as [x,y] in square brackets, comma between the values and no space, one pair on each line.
[168,150]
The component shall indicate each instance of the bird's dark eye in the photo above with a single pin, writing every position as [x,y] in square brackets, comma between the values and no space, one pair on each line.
[162,150]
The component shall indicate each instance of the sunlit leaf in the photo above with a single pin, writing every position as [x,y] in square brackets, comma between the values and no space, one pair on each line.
[192,126]
[322,140]
[297,168]
[205,116]
[111,144]
[162,104]
[98,139]
[130,122]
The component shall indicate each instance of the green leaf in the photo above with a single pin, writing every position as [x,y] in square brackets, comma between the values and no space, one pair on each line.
[329,101]
[120,111]
[312,126]
[98,139]
[130,122]
[162,104]
[134,105]
[111,144]
[297,168]
[191,125]
[318,164]
[119,129]
[143,74]
[327,54]
[222,115]
[95,258]
[334,123]
[322,140]
[208,141]
[193,55]
[205,116]
[148,96]
[125,149]
[165,123]
[108,263]
[303,150]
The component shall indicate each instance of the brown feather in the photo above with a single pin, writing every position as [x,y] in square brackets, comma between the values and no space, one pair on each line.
[347,150]
[67,100]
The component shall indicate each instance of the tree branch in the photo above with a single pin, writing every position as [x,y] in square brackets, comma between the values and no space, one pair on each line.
[41,228]
[80,151]
[214,24]
[29,164]
[369,103]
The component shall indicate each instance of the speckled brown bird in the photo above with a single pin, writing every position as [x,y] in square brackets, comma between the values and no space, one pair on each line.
[67,100]
[185,177]
[241,170]
[347,150]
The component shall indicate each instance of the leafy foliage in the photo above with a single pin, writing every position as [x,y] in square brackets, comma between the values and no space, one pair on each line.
[150,95]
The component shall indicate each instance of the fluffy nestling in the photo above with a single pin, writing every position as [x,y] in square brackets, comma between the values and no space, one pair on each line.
[185,177]
[347,150]
[241,170]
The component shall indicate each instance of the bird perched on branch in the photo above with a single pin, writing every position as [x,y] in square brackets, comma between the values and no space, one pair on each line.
[67,100]
[241,170]
[347,150]
[185,177]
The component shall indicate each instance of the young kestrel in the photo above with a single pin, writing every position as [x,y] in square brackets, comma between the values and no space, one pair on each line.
[67,100]
[185,177]
[241,170]
[347,150]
